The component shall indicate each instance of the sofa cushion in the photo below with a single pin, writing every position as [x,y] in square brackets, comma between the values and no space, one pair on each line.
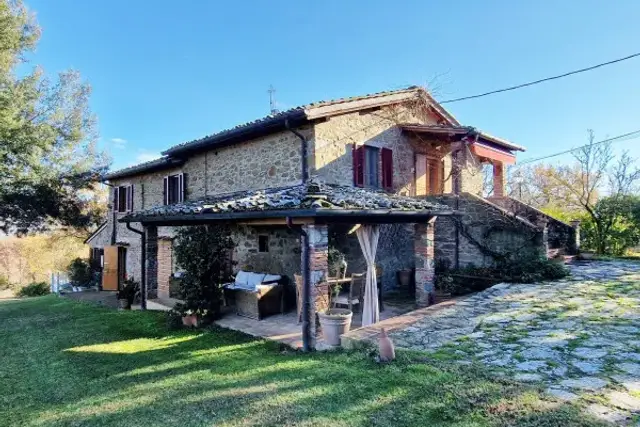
[242,278]
[255,279]
[271,278]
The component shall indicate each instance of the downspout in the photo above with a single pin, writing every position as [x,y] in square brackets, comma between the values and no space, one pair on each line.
[143,267]
[114,217]
[306,288]
[305,166]
[306,277]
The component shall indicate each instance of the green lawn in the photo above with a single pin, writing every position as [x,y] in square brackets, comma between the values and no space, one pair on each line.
[64,363]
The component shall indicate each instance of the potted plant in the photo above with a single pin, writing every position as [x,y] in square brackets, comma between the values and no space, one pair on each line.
[127,294]
[404,278]
[190,318]
[334,321]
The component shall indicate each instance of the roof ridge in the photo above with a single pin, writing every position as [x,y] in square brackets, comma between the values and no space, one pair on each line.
[282,114]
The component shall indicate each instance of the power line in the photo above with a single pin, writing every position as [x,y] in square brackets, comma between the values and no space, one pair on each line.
[631,135]
[582,70]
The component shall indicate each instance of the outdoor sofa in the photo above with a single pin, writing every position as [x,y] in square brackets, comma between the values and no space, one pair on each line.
[256,294]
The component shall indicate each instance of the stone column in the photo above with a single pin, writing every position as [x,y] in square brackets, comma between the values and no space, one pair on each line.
[424,260]
[152,261]
[499,179]
[318,246]
[165,266]
[574,242]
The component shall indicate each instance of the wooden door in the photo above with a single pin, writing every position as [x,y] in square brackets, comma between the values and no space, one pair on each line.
[122,266]
[436,176]
[110,269]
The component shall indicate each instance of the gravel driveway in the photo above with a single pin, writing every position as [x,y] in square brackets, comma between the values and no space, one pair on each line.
[579,338]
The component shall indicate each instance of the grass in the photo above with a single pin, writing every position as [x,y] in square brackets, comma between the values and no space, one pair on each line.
[66,363]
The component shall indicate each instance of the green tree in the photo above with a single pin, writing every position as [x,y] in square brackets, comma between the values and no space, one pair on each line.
[204,254]
[48,158]
[618,226]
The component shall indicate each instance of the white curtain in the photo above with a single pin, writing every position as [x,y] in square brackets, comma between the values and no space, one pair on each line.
[368,236]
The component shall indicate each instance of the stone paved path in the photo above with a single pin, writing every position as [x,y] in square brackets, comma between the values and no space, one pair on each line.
[579,337]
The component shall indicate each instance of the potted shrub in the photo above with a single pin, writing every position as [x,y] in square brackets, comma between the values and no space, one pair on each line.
[127,294]
[404,278]
[334,321]
[191,318]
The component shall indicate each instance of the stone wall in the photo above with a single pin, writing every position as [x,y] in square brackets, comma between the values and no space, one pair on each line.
[335,138]
[471,174]
[282,258]
[395,250]
[486,223]
[271,161]
[424,260]
[560,234]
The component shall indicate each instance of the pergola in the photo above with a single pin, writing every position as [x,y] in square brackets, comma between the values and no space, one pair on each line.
[308,208]
[490,149]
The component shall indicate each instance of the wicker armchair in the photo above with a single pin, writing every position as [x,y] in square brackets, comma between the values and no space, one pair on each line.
[264,301]
[257,299]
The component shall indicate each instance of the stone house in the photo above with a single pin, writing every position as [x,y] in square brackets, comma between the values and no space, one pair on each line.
[397,151]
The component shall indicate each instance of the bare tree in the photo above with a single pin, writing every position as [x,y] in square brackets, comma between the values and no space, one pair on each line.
[597,171]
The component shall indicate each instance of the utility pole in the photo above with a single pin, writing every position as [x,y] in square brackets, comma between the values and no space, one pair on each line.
[272,100]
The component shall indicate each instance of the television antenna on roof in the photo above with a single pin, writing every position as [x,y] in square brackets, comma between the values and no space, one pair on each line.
[272,100]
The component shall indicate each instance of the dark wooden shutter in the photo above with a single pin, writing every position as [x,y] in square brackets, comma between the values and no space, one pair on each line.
[181,188]
[387,168]
[129,203]
[116,199]
[165,190]
[358,166]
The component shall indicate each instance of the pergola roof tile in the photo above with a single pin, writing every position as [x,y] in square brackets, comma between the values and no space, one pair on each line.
[310,196]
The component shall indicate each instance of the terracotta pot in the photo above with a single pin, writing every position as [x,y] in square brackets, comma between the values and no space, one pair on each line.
[190,320]
[123,304]
[334,323]
[404,278]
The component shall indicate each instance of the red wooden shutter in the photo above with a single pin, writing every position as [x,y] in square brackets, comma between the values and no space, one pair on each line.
[358,166]
[387,168]
[165,190]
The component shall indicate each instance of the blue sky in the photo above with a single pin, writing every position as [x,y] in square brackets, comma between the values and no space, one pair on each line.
[165,72]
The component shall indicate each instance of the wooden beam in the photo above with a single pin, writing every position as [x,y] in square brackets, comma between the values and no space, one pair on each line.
[354,228]
[492,153]
[277,221]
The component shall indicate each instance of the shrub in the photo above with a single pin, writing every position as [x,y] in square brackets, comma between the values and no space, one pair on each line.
[80,273]
[174,320]
[4,283]
[532,268]
[129,291]
[526,269]
[35,289]
[204,254]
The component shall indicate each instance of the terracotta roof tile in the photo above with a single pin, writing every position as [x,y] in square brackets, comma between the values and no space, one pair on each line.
[312,195]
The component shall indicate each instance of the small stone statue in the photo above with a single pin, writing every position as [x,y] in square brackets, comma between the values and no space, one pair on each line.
[386,348]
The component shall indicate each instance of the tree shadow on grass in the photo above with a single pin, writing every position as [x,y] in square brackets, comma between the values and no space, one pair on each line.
[253,384]
[148,376]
